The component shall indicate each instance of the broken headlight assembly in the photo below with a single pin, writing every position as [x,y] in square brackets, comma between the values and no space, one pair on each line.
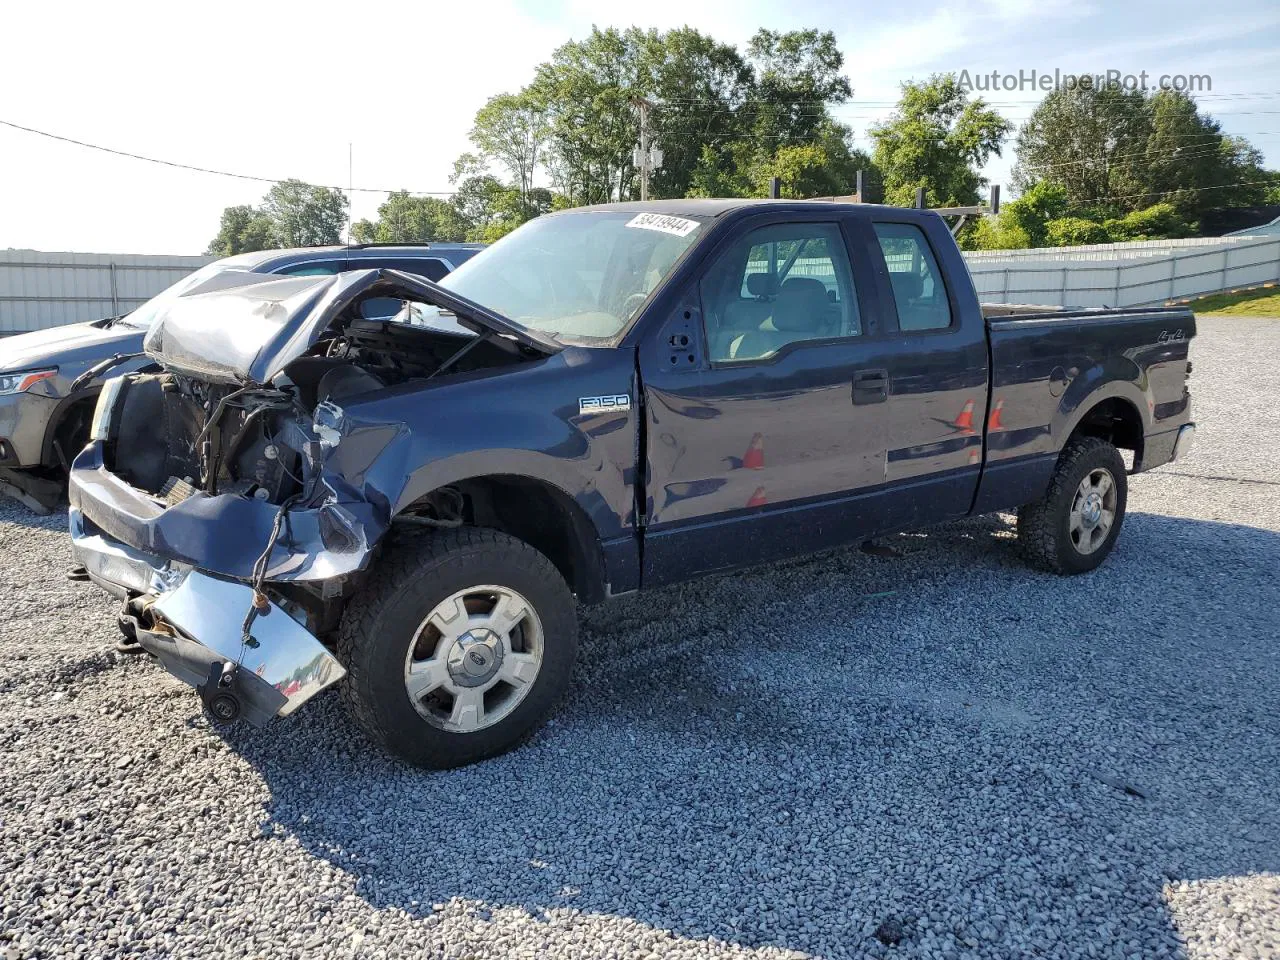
[328,421]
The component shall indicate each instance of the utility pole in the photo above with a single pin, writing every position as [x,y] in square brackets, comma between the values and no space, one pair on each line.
[643,158]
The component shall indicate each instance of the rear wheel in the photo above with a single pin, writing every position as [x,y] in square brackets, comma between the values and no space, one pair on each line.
[1074,526]
[459,647]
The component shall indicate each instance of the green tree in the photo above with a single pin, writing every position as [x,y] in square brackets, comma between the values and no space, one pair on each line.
[995,233]
[243,229]
[719,117]
[797,76]
[1118,151]
[1074,232]
[699,87]
[303,215]
[587,88]
[937,138]
[405,218]
[513,129]
[1161,221]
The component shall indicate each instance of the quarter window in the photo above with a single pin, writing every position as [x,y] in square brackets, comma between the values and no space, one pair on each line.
[778,285]
[913,273]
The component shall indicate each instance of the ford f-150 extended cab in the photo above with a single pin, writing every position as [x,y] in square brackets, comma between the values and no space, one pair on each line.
[304,492]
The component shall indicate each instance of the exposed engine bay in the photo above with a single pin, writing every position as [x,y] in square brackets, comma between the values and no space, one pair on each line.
[184,434]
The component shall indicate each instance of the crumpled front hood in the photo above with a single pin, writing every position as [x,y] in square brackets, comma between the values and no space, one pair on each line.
[250,332]
[58,346]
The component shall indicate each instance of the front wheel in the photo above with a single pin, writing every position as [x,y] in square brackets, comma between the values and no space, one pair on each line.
[459,647]
[1074,526]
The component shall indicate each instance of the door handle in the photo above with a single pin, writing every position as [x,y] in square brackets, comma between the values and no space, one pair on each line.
[870,386]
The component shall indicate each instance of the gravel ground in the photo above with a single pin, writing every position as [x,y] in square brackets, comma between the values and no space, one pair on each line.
[946,748]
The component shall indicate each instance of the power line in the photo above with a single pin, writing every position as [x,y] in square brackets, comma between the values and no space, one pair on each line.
[219,173]
[1161,193]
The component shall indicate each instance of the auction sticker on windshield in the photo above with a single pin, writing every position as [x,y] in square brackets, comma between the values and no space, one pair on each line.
[678,226]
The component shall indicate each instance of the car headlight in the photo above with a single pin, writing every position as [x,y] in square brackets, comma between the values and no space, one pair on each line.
[23,380]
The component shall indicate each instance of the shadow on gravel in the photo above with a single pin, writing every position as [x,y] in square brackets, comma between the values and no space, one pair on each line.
[17,514]
[1001,762]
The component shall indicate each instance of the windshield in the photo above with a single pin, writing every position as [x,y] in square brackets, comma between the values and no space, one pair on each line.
[576,275]
[146,314]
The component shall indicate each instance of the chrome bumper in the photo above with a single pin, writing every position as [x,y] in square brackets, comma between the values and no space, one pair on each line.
[196,624]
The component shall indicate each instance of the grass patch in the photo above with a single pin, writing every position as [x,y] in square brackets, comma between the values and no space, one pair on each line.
[1250,303]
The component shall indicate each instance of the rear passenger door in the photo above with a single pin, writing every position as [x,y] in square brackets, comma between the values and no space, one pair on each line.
[772,442]
[937,369]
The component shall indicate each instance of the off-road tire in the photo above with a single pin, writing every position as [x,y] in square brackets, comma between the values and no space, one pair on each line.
[409,579]
[1044,532]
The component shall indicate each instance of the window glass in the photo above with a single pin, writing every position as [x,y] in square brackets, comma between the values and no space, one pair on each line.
[429,267]
[778,285]
[914,276]
[580,275]
[312,270]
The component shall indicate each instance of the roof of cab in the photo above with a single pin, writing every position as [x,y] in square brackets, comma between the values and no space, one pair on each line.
[717,206]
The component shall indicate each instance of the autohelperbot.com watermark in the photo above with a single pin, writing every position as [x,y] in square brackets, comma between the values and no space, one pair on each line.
[1046,81]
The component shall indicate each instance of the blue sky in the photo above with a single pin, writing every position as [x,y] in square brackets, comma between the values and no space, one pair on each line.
[280,90]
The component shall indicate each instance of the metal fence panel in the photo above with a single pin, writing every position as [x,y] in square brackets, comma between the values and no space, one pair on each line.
[1125,274]
[39,290]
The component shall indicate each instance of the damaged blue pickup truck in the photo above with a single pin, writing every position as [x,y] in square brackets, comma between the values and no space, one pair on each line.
[309,487]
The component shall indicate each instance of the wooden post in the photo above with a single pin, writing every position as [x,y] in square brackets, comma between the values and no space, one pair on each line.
[919,198]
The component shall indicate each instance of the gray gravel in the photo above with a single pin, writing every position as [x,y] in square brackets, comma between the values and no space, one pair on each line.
[971,758]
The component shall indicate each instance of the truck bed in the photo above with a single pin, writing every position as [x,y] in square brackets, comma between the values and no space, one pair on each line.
[1051,367]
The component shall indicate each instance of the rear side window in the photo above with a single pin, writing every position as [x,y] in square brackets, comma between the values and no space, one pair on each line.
[312,270]
[913,273]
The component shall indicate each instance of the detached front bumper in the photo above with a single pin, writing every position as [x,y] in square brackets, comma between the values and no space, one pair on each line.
[192,623]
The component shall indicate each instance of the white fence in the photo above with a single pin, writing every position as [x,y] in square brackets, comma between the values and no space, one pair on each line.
[39,290]
[1124,274]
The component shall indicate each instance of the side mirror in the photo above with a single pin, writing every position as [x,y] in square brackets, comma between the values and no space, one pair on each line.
[381,308]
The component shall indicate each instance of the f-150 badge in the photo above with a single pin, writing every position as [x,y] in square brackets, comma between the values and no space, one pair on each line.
[621,402]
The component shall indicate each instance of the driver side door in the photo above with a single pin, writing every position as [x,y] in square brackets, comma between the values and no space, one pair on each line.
[774,443]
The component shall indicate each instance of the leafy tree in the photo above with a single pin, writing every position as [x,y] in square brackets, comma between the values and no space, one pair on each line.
[700,87]
[1161,221]
[1074,232]
[937,138]
[992,233]
[823,168]
[719,116]
[303,215]
[1031,212]
[243,229]
[404,218]
[513,130]
[1118,151]
[587,88]
[798,74]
